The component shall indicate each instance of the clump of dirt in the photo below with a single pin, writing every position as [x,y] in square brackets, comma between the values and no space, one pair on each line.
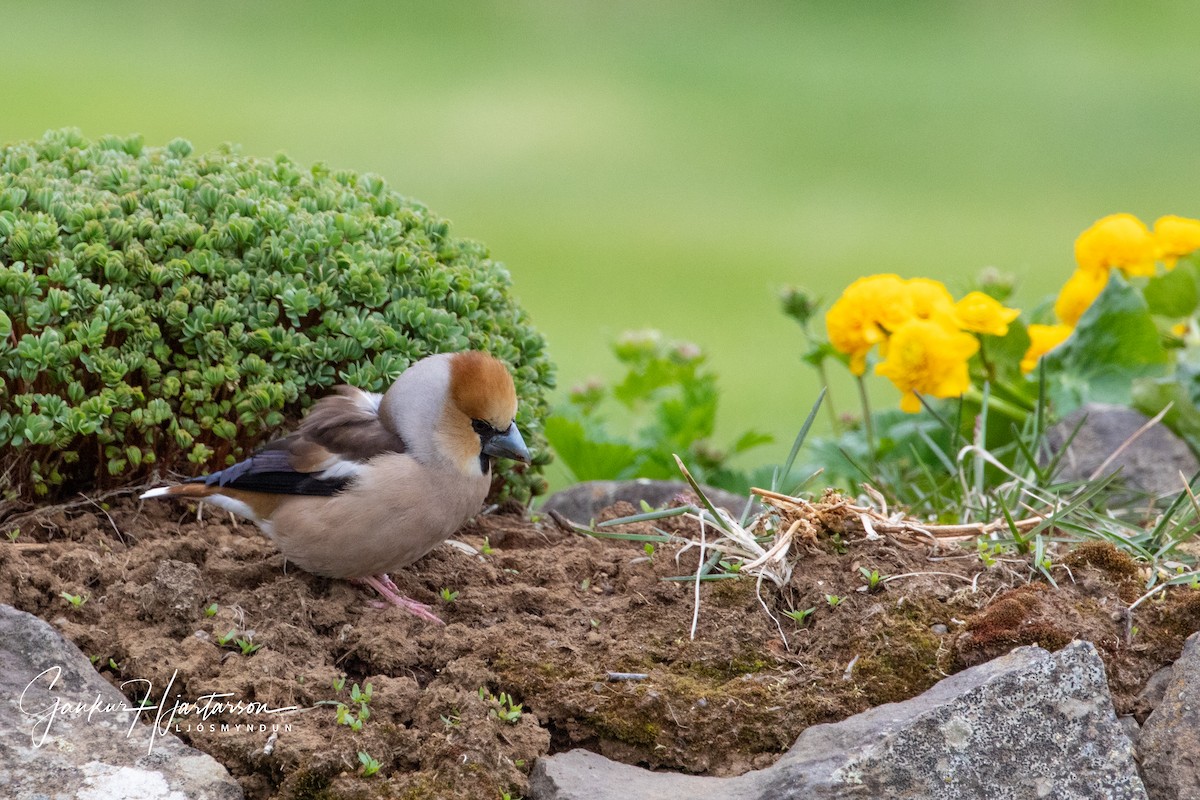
[545,619]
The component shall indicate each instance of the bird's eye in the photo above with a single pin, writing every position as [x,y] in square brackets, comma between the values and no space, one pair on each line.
[481,427]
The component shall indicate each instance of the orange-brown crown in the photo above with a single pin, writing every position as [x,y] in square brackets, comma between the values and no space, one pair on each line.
[482,388]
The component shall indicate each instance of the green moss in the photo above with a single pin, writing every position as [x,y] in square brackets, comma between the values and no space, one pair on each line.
[734,593]
[307,784]
[717,668]
[1104,557]
[903,665]
[163,311]
[628,726]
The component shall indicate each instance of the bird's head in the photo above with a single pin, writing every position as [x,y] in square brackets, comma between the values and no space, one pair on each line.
[457,410]
[482,392]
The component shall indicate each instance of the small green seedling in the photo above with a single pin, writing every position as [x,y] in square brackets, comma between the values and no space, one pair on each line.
[94,659]
[13,535]
[506,710]
[227,638]
[486,549]
[211,610]
[833,600]
[987,553]
[800,615]
[76,601]
[345,717]
[648,548]
[451,720]
[339,683]
[114,666]
[448,596]
[873,578]
[369,765]
[247,645]
[361,697]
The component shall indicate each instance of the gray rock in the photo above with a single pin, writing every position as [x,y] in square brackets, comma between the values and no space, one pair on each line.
[582,502]
[1151,463]
[1030,724]
[1152,693]
[51,754]
[1169,747]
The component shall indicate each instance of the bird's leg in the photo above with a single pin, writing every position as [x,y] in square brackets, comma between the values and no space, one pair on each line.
[390,592]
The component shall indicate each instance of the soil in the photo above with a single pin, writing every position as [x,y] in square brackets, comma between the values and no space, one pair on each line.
[541,616]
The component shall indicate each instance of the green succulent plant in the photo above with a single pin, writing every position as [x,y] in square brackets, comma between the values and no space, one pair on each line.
[161,310]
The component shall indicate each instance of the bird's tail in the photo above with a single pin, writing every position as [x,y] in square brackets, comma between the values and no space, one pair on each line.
[194,491]
[255,507]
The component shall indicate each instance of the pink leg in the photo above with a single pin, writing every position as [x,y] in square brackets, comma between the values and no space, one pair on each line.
[390,592]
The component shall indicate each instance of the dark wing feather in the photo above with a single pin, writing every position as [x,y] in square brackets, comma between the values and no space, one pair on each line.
[339,428]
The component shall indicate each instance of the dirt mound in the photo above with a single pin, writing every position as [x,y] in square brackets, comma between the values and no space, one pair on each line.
[540,619]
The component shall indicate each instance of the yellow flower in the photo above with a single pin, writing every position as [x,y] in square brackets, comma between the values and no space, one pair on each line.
[1079,292]
[930,357]
[1043,339]
[1176,236]
[1118,240]
[930,298]
[980,313]
[868,310]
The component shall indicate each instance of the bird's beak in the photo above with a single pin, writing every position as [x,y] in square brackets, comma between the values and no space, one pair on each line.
[507,445]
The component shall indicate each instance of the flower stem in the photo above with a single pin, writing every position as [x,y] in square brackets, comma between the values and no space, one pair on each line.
[868,426]
[989,369]
[833,418]
[1010,410]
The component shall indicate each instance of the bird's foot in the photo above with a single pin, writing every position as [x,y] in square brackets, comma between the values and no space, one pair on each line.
[391,593]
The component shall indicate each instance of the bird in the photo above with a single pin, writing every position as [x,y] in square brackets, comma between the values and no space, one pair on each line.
[368,483]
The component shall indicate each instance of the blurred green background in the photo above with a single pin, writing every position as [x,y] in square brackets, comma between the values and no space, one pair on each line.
[671,164]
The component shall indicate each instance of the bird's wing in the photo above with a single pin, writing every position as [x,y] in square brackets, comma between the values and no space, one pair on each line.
[339,434]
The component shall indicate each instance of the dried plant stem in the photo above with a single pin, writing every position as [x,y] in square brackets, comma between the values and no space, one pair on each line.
[895,525]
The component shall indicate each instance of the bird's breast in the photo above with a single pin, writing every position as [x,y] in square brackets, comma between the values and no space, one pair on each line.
[393,513]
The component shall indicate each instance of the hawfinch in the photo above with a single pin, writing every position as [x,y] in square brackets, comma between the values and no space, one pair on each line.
[369,483]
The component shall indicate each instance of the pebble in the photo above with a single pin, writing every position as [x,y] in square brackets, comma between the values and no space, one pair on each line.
[939,629]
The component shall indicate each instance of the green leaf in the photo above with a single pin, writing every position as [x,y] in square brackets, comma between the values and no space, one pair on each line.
[1114,343]
[586,457]
[1174,293]
[1152,396]
[752,439]
[1004,353]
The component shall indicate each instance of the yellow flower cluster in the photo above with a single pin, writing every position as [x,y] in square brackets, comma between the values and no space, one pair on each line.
[924,336]
[1118,241]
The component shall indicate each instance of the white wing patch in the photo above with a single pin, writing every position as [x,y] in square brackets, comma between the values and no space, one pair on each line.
[230,504]
[339,468]
[369,401]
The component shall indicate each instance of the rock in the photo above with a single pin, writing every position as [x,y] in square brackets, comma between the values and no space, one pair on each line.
[582,502]
[1152,693]
[1151,463]
[53,754]
[1029,724]
[1169,747]
[174,593]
